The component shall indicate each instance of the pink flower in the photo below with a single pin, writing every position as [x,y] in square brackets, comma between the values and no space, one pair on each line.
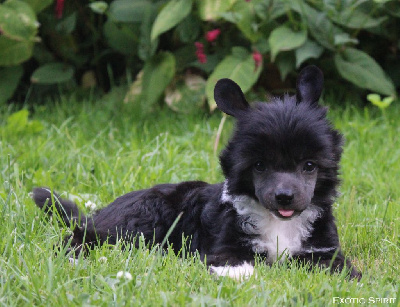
[257,57]
[59,8]
[201,56]
[199,46]
[212,35]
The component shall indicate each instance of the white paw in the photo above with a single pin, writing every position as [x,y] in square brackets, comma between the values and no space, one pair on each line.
[73,261]
[244,270]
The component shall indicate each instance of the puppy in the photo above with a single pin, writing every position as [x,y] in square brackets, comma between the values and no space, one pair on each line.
[281,169]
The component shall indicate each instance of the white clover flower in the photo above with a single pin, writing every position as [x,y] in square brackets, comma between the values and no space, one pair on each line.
[124,275]
[103,259]
[90,205]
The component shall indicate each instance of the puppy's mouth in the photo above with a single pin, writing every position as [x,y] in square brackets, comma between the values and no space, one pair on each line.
[286,214]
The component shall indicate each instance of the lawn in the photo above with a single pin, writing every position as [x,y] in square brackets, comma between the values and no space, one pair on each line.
[98,150]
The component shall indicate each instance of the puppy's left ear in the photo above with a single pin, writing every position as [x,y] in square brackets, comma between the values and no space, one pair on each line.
[230,98]
[309,85]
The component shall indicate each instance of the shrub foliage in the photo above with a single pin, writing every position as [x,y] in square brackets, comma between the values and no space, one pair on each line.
[176,48]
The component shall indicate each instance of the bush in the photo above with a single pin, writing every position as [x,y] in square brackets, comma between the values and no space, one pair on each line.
[177,48]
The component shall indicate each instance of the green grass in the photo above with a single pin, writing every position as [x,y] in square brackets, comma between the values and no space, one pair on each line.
[100,150]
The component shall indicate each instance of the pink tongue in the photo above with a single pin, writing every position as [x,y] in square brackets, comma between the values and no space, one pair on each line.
[286,213]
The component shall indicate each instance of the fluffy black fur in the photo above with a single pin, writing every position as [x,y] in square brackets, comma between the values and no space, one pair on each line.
[281,165]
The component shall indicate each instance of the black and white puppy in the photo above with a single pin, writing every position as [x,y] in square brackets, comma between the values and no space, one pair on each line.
[281,169]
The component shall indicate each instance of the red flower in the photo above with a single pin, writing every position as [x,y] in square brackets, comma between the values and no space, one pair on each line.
[257,57]
[212,35]
[199,46]
[201,56]
[59,8]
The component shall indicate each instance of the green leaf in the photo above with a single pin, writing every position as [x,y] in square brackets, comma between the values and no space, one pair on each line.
[9,79]
[284,39]
[18,122]
[212,9]
[239,69]
[387,101]
[272,10]
[375,99]
[128,10]
[52,73]
[18,20]
[247,20]
[157,74]
[286,63]
[393,8]
[360,69]
[212,61]
[38,5]
[262,45]
[14,52]
[319,25]
[307,51]
[240,53]
[356,19]
[189,29]
[99,7]
[68,24]
[147,47]
[121,37]
[344,38]
[171,14]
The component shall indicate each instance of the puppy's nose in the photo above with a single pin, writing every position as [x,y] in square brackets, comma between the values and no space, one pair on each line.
[284,197]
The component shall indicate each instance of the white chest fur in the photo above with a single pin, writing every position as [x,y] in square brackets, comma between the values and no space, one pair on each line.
[276,237]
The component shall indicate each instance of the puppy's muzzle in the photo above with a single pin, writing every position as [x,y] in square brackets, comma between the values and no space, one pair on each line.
[284,197]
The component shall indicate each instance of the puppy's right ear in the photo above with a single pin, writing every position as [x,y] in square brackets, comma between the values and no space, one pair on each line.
[309,85]
[230,98]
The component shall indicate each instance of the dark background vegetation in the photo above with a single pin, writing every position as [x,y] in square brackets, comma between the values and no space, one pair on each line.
[175,50]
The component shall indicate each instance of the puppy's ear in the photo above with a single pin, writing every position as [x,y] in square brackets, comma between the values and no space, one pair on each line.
[229,97]
[309,85]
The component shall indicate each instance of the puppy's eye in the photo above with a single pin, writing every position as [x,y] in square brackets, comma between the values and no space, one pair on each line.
[260,166]
[309,167]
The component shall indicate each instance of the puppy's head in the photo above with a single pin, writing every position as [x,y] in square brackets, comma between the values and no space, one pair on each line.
[285,153]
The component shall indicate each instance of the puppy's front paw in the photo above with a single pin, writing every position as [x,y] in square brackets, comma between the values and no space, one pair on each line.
[238,272]
[354,274]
